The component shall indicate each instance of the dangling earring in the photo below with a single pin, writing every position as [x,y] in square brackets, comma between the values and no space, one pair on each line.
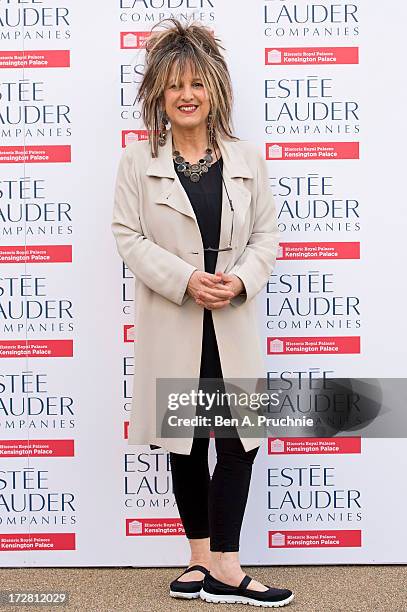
[211,130]
[162,138]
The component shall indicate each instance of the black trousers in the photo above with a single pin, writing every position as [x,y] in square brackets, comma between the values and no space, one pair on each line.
[213,507]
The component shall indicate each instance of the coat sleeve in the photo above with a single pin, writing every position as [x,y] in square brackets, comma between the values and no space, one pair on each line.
[159,269]
[257,261]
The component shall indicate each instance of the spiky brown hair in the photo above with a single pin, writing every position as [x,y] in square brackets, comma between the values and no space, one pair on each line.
[181,44]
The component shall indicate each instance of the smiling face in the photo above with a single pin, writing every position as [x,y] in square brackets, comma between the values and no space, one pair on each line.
[186,104]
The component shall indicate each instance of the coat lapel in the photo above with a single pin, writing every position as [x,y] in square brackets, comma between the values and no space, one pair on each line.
[235,169]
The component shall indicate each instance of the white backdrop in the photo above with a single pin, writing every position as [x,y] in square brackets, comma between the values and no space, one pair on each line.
[72,492]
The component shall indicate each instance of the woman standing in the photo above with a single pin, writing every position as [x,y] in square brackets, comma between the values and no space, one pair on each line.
[194,220]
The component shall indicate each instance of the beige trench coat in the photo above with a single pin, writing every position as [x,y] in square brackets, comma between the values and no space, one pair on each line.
[158,238]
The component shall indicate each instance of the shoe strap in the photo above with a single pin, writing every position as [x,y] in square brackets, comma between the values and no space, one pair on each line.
[246,580]
[199,568]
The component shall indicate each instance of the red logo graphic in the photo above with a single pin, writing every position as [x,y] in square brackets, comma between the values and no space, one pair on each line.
[36,448]
[133,40]
[312,150]
[315,539]
[35,154]
[318,250]
[327,446]
[128,333]
[321,56]
[315,345]
[37,541]
[129,136]
[36,348]
[44,253]
[45,58]
[154,527]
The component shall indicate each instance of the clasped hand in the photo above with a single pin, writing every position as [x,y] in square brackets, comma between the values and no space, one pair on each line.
[213,290]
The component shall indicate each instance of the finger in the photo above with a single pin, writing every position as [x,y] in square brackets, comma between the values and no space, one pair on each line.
[211,282]
[210,304]
[220,304]
[215,295]
[220,293]
[205,302]
[226,277]
[215,277]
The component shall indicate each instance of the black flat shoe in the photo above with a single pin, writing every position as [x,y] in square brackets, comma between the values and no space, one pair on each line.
[216,591]
[188,589]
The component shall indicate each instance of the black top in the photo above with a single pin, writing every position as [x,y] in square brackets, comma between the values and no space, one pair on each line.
[206,200]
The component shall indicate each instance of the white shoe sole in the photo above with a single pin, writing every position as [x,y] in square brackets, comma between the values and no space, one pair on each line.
[243,600]
[184,595]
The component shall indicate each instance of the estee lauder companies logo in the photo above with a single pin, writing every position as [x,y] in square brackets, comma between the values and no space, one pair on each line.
[312,493]
[33,21]
[291,20]
[28,208]
[309,105]
[152,11]
[311,299]
[28,305]
[28,403]
[313,202]
[25,111]
[147,480]
[32,496]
